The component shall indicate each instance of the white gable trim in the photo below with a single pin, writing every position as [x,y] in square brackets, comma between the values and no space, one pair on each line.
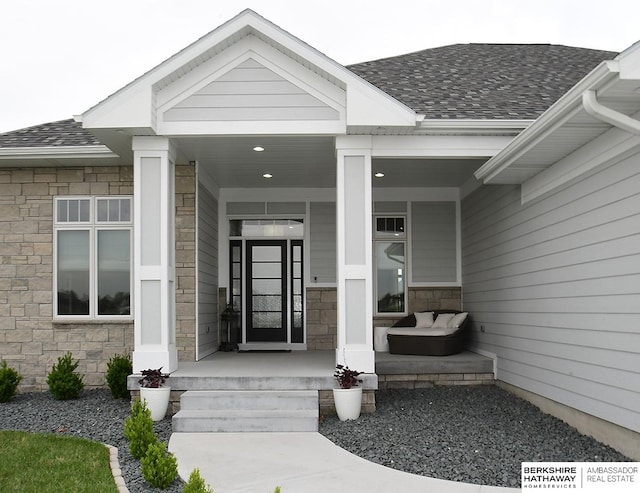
[133,105]
[241,52]
[251,48]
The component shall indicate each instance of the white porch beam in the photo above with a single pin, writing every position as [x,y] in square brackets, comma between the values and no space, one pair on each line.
[439,146]
[154,254]
[354,254]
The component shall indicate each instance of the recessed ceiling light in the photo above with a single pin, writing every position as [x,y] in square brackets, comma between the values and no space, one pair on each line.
[267,175]
[258,148]
[379,174]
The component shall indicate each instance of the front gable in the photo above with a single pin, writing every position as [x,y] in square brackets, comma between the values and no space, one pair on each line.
[248,76]
[249,88]
[249,92]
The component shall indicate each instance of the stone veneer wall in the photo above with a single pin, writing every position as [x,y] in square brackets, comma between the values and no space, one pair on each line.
[185,188]
[30,340]
[322,318]
[422,299]
[322,315]
[428,380]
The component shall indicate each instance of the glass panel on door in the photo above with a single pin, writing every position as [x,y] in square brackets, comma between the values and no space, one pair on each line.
[266,290]
[297,292]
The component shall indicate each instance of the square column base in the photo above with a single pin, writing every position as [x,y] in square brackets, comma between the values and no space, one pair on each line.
[144,360]
[358,359]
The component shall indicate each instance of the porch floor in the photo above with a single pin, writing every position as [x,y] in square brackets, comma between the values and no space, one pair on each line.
[259,370]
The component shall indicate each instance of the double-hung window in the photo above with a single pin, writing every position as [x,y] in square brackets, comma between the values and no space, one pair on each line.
[93,251]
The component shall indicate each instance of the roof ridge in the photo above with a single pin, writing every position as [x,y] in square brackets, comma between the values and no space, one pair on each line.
[440,47]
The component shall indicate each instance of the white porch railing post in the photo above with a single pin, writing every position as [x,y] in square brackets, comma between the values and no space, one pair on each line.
[354,253]
[154,254]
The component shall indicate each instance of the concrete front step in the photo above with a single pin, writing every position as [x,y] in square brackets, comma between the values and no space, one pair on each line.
[247,410]
[245,421]
[249,399]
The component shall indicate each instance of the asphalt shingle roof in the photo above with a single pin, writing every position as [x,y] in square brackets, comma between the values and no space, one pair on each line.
[482,81]
[462,81]
[56,134]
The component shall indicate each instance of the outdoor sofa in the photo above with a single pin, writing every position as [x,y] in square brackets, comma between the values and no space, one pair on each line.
[427,334]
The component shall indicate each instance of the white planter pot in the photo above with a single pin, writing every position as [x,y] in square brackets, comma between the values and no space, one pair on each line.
[157,401]
[348,402]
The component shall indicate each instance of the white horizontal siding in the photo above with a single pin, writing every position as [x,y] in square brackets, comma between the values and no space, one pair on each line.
[322,236]
[207,273]
[556,285]
[433,242]
[250,92]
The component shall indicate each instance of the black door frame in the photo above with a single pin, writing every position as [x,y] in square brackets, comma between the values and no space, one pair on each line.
[275,334]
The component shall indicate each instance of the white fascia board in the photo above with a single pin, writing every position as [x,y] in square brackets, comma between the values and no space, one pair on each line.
[131,107]
[367,107]
[470,126]
[438,146]
[629,61]
[416,194]
[552,119]
[58,152]
[197,128]
[277,194]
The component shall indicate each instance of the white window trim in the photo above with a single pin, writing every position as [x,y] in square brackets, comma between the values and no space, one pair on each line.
[93,226]
[391,238]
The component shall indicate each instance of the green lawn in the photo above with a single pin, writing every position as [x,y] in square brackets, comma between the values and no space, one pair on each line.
[31,462]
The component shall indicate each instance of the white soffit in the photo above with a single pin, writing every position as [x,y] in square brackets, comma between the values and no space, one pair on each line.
[133,105]
[567,127]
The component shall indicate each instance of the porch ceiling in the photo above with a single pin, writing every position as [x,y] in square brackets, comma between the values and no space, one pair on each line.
[310,162]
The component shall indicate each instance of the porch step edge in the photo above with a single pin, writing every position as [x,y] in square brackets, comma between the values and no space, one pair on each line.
[195,421]
[249,400]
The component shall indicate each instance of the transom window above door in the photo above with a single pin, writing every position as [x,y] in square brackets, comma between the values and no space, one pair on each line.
[263,228]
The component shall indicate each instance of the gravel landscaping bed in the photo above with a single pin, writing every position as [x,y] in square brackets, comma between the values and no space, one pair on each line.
[477,434]
[94,415]
[473,434]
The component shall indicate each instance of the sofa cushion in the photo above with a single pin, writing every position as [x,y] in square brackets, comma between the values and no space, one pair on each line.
[424,320]
[442,320]
[457,320]
[424,332]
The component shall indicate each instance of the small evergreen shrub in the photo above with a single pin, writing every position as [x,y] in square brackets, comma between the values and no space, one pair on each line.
[64,383]
[138,429]
[118,369]
[196,484]
[9,380]
[159,467]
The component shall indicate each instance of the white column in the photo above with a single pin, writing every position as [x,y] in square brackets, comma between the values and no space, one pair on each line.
[355,275]
[154,254]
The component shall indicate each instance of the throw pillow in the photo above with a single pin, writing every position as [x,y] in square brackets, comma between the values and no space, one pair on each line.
[457,319]
[442,320]
[424,320]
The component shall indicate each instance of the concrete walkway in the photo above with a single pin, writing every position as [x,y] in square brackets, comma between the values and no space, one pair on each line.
[298,463]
